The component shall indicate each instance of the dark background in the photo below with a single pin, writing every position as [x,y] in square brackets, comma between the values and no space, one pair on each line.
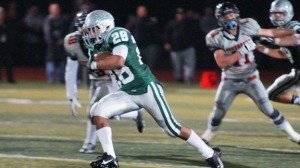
[163,10]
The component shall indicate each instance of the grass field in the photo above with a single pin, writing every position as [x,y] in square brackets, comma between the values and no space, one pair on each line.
[37,130]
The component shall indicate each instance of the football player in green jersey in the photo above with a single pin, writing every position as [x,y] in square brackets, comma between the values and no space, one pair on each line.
[114,49]
[281,15]
[100,84]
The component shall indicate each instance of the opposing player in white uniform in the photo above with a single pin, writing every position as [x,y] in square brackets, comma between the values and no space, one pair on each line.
[100,84]
[117,51]
[281,14]
[233,47]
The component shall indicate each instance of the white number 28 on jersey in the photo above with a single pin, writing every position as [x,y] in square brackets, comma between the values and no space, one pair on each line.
[119,36]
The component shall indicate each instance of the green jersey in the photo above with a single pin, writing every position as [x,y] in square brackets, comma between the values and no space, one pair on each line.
[295,50]
[134,76]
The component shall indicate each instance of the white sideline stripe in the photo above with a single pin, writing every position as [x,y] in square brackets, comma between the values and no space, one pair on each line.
[142,142]
[41,137]
[42,158]
[86,161]
[30,101]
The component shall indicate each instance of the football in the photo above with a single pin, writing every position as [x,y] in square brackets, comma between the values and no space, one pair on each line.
[102,56]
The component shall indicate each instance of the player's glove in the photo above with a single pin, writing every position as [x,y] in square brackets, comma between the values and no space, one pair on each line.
[288,53]
[247,47]
[74,103]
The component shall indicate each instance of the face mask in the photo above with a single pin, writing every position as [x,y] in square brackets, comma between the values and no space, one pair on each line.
[231,24]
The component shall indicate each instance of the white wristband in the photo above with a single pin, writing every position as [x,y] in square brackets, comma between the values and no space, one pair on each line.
[266,50]
[93,65]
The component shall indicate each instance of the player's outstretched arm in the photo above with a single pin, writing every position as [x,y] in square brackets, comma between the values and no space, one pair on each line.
[292,40]
[276,32]
[275,53]
[71,84]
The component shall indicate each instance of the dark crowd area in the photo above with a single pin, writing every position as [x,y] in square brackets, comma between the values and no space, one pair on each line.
[25,21]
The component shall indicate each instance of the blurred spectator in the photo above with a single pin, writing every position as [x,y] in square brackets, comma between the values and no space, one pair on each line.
[144,30]
[55,28]
[208,22]
[181,36]
[193,17]
[33,36]
[5,48]
[85,7]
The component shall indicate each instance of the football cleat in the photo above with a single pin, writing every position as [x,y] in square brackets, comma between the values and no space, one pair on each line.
[208,135]
[89,148]
[105,161]
[215,161]
[140,124]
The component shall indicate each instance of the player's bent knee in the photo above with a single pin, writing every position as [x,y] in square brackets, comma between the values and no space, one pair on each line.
[97,111]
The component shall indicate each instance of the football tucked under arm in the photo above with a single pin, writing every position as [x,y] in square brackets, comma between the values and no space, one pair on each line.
[102,56]
[106,61]
[96,59]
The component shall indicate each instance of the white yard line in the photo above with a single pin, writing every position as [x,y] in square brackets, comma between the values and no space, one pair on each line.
[136,142]
[30,101]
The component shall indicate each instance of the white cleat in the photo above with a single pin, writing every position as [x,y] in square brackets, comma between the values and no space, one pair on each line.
[87,148]
[208,135]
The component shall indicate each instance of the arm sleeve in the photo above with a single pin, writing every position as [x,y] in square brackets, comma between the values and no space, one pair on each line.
[72,47]
[121,50]
[71,78]
[212,40]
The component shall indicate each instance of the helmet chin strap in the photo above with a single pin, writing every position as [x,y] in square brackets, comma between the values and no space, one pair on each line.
[231,24]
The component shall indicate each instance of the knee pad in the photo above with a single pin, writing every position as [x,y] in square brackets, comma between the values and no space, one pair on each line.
[217,115]
[215,122]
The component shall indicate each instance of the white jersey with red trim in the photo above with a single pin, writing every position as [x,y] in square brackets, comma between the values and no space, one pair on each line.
[72,46]
[221,39]
[75,48]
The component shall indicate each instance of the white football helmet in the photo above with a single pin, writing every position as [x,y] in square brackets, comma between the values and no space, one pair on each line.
[281,6]
[97,24]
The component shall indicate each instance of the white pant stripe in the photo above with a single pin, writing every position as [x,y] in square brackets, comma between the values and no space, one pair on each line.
[165,109]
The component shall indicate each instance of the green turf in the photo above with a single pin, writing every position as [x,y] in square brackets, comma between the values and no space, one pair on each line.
[37,130]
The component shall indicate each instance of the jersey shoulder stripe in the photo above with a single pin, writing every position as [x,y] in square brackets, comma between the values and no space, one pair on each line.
[214,33]
[292,25]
